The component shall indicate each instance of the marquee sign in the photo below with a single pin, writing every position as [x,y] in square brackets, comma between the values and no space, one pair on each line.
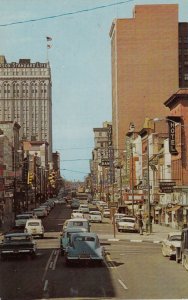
[172,120]
[24,65]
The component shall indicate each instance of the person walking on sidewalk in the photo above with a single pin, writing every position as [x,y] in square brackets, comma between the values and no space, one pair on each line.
[140,224]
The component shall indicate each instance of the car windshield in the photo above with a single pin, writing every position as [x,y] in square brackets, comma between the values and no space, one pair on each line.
[175,238]
[22,217]
[33,224]
[77,223]
[84,239]
[127,220]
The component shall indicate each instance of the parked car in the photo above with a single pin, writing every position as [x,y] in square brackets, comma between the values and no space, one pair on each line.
[95,216]
[40,212]
[77,214]
[14,244]
[21,219]
[170,244]
[118,216]
[106,213]
[45,206]
[75,203]
[34,227]
[84,246]
[127,224]
[84,208]
[65,237]
[77,222]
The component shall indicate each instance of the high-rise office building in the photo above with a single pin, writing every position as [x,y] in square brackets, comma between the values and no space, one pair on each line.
[145,64]
[25,97]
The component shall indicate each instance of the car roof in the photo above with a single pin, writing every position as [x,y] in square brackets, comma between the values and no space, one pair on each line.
[77,219]
[91,234]
[17,234]
[75,229]
[23,215]
[34,220]
[174,233]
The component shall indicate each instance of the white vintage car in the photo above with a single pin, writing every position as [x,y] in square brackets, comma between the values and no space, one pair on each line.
[127,224]
[170,244]
[95,216]
[77,214]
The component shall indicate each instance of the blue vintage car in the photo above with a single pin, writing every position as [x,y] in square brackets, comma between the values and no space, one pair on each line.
[65,237]
[84,246]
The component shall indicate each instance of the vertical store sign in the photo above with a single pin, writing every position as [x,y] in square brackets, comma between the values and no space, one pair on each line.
[110,154]
[172,120]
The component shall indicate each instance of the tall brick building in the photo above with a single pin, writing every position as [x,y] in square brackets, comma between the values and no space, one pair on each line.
[145,64]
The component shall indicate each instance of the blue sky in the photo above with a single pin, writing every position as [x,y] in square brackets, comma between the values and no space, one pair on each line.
[80,60]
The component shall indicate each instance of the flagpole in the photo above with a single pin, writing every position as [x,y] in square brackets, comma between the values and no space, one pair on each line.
[47,53]
[48,46]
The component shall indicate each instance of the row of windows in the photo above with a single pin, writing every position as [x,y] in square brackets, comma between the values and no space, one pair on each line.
[185,39]
[185,76]
[185,63]
[183,51]
[21,72]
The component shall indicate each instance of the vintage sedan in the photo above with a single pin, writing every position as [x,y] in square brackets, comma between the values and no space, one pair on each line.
[76,214]
[85,247]
[14,244]
[95,216]
[127,224]
[170,244]
[65,237]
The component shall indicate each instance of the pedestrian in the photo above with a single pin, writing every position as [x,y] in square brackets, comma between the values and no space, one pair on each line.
[140,225]
[147,224]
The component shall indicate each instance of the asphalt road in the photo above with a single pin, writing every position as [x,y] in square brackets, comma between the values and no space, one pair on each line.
[130,271]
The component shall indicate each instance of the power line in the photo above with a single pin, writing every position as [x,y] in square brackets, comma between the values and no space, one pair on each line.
[74,171]
[79,159]
[66,14]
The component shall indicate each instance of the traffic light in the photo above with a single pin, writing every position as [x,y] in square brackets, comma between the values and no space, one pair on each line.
[52,178]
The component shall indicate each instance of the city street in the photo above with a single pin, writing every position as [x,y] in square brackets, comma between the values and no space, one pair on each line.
[132,270]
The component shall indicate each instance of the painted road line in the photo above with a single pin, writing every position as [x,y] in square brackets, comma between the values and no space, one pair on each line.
[47,265]
[55,260]
[114,268]
[45,285]
[113,240]
[136,241]
[156,242]
[122,284]
[51,264]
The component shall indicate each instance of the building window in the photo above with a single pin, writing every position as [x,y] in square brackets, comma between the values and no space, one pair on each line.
[185,51]
[186,76]
[186,63]
[185,39]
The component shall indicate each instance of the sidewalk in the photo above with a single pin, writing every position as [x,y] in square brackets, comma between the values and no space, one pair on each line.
[158,234]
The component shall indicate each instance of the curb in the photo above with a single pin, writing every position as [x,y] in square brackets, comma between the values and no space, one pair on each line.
[134,241]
